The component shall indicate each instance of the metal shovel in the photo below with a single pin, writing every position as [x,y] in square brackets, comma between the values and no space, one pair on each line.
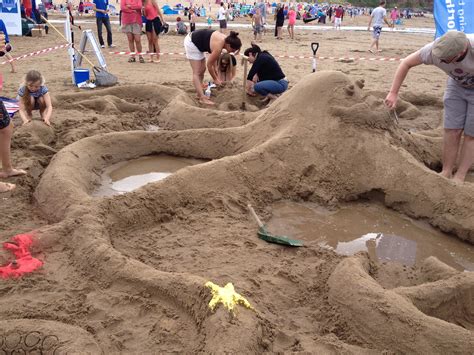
[314,48]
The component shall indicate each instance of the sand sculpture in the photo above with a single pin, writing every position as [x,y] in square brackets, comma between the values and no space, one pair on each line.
[134,267]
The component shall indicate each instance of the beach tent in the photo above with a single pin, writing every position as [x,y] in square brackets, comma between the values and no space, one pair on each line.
[167,10]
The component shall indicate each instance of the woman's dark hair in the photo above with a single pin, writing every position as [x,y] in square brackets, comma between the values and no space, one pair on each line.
[254,50]
[233,40]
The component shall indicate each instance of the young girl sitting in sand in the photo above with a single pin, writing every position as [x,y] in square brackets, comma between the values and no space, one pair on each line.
[34,95]
[6,132]
[226,67]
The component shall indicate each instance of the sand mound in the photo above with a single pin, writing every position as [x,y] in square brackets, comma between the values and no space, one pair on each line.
[383,317]
[141,260]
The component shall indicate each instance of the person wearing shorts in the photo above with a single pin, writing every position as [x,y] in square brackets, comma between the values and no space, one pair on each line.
[131,21]
[454,54]
[153,27]
[222,18]
[5,46]
[257,21]
[378,17]
[201,41]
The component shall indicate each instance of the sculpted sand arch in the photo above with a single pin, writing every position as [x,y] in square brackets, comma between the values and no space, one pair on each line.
[257,163]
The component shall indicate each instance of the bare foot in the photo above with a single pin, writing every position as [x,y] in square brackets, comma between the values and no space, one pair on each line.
[6,187]
[458,180]
[205,101]
[11,173]
[446,175]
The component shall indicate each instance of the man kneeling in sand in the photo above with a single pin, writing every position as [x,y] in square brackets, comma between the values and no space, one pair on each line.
[454,54]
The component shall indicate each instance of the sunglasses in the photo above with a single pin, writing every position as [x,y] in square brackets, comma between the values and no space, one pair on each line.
[457,58]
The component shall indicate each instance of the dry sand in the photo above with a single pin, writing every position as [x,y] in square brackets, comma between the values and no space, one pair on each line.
[126,274]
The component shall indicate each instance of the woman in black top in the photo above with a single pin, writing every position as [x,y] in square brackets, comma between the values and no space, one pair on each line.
[280,19]
[265,77]
[196,44]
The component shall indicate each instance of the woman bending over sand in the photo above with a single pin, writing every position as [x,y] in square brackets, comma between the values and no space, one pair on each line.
[265,77]
[34,95]
[196,44]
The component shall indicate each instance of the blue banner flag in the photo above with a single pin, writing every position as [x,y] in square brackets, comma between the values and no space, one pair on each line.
[454,15]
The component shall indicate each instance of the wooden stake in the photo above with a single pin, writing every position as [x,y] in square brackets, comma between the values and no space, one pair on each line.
[244,95]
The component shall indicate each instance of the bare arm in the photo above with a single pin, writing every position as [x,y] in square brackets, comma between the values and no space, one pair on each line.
[49,109]
[409,62]
[370,22]
[217,43]
[25,117]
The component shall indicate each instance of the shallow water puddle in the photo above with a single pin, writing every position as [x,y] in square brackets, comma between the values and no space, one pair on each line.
[130,175]
[385,234]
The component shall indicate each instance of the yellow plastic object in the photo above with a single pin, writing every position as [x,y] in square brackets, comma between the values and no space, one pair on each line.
[227,296]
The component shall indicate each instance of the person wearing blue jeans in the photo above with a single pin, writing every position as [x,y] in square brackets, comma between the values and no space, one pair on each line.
[265,77]
[102,17]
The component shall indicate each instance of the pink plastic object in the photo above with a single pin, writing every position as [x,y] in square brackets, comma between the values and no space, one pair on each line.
[24,263]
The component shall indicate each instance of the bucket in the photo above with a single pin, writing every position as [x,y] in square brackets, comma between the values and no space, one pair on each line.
[80,75]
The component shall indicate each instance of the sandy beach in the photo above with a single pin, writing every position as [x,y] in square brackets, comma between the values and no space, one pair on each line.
[126,273]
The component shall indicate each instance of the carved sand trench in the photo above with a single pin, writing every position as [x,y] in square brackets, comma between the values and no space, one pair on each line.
[290,151]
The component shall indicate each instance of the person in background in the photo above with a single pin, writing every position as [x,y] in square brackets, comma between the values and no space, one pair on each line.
[80,8]
[131,21]
[291,22]
[6,133]
[329,13]
[257,24]
[379,16]
[394,17]
[102,17]
[192,20]
[338,13]
[265,77]
[280,20]
[453,53]
[153,25]
[212,42]
[5,46]
[181,27]
[209,22]
[28,7]
[34,95]
[222,18]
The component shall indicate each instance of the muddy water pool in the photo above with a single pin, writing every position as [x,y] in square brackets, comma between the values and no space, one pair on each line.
[130,175]
[385,234]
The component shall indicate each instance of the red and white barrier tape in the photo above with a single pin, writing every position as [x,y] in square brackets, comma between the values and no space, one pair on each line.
[46,50]
[371,59]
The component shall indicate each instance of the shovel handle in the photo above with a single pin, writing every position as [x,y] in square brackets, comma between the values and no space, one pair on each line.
[254,215]
[314,47]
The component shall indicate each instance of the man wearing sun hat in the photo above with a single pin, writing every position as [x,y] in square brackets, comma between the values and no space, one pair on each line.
[454,54]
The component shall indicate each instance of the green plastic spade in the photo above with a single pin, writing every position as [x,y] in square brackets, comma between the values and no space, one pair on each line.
[265,235]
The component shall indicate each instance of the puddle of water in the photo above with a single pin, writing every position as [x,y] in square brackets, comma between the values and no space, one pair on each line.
[130,175]
[385,234]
